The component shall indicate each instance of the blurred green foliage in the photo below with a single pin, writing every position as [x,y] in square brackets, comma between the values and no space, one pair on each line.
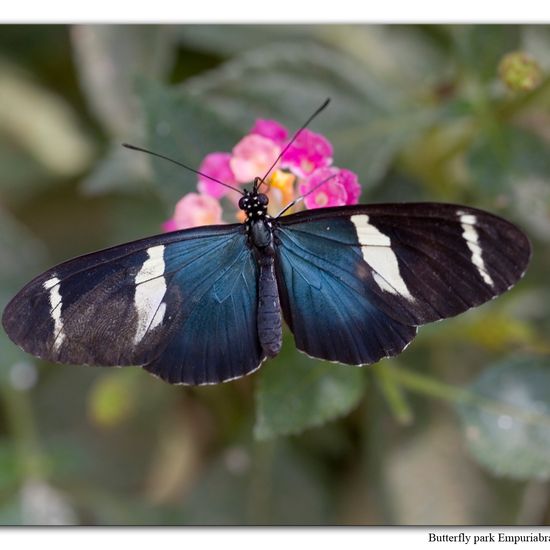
[454,431]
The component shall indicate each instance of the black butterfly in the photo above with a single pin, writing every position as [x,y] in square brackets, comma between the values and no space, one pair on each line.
[204,305]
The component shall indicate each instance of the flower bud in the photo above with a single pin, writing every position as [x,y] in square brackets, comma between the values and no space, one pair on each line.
[519,72]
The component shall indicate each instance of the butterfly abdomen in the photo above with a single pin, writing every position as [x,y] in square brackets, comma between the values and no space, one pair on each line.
[270,331]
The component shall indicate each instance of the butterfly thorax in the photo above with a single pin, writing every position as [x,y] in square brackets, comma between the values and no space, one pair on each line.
[258,223]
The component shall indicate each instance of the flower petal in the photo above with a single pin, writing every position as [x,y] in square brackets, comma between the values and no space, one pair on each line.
[270,129]
[309,152]
[340,190]
[252,157]
[216,165]
[193,210]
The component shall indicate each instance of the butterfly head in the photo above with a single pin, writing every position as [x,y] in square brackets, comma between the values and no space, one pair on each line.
[254,205]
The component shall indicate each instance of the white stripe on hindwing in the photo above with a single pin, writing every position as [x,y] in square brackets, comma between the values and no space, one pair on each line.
[150,290]
[377,252]
[55,310]
[470,235]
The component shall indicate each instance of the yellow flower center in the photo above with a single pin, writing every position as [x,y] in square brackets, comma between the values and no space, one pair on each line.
[281,189]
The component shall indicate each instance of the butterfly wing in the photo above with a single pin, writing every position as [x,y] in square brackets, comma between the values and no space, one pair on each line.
[356,281]
[183,305]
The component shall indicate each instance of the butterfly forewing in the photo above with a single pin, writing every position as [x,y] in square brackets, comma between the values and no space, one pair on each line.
[356,280]
[145,303]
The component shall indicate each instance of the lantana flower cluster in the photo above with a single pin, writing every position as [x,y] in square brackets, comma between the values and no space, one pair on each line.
[304,165]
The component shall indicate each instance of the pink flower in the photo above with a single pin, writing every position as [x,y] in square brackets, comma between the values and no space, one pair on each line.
[169,225]
[270,129]
[309,152]
[341,189]
[193,210]
[252,157]
[305,169]
[216,165]
[350,182]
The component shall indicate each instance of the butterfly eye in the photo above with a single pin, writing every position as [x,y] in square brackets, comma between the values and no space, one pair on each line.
[262,199]
[243,202]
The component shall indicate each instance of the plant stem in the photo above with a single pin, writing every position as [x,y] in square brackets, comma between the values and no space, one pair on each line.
[428,386]
[394,395]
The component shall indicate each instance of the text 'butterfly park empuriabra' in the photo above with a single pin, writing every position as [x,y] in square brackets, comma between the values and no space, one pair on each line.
[205,305]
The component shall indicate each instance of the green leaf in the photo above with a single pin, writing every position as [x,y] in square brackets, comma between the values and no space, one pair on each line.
[406,57]
[41,138]
[368,122]
[233,39]
[398,54]
[296,393]
[108,60]
[183,128]
[507,422]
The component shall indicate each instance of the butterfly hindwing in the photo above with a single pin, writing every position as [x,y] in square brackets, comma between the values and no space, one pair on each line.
[142,303]
[361,278]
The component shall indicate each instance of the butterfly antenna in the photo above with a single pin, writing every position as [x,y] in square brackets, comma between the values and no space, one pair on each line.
[142,150]
[302,197]
[298,132]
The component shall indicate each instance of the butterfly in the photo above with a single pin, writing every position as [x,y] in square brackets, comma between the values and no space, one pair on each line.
[205,305]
